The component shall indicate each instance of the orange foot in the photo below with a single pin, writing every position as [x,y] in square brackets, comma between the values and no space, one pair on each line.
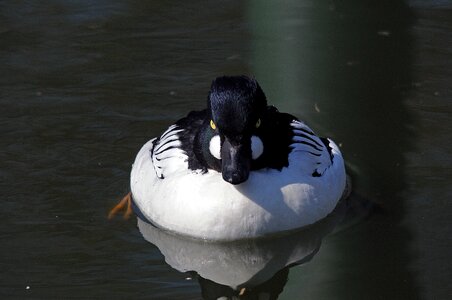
[125,203]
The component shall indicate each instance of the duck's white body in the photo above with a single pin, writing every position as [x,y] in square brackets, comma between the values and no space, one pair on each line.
[203,205]
[247,263]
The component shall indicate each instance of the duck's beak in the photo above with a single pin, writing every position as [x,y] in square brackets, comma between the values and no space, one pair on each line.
[235,161]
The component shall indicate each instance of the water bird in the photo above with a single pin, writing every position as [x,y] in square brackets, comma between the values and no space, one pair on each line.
[238,169]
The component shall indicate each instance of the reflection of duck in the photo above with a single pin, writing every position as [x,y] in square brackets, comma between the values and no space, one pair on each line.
[238,169]
[268,290]
[246,267]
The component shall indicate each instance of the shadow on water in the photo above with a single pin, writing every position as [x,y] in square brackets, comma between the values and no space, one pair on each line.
[348,66]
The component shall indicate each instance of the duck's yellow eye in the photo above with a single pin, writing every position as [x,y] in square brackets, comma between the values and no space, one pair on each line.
[212,124]
[258,123]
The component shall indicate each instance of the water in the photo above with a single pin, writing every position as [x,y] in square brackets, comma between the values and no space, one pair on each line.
[85,84]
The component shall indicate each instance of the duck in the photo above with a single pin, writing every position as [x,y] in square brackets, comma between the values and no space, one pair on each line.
[239,169]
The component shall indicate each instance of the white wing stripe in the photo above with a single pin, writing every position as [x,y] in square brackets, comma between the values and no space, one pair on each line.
[301,126]
[171,128]
[304,134]
[167,156]
[166,145]
[304,141]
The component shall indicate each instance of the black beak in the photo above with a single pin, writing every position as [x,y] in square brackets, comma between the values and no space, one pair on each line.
[235,161]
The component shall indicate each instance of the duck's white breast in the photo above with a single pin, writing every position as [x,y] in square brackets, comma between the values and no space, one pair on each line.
[205,206]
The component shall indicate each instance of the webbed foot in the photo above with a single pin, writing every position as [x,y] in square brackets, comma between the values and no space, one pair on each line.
[124,204]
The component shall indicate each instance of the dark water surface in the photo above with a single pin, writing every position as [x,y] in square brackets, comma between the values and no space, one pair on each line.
[84,84]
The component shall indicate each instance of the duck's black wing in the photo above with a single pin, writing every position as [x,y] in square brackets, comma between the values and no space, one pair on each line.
[192,124]
[173,150]
[283,133]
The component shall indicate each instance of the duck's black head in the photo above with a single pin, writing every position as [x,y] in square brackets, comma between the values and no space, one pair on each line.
[236,105]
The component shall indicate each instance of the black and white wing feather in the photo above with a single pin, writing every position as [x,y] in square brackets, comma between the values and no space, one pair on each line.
[167,154]
[315,152]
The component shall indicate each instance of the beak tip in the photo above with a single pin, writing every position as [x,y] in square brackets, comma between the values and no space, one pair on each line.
[235,178]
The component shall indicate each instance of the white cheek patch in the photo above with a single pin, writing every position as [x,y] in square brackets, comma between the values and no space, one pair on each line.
[257,147]
[215,147]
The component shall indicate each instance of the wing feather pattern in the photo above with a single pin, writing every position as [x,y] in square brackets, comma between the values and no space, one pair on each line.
[316,152]
[167,155]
